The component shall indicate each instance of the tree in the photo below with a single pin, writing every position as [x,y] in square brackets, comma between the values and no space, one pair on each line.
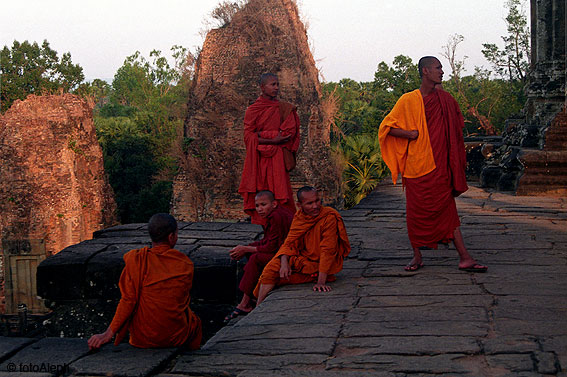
[137,126]
[512,62]
[28,68]
[460,90]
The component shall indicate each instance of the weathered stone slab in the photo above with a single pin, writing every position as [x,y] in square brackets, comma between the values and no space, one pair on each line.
[306,317]
[415,345]
[244,227]
[526,288]
[410,328]
[338,304]
[511,362]
[49,353]
[268,347]
[232,364]
[425,301]
[529,327]
[207,226]
[238,332]
[122,360]
[557,315]
[532,301]
[425,314]
[9,346]
[441,364]
[509,344]
[419,290]
[216,235]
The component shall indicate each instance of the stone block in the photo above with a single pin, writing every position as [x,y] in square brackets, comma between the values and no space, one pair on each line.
[9,346]
[49,353]
[415,345]
[122,360]
[412,328]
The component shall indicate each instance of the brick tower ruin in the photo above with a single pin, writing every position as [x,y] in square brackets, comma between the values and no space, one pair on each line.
[53,189]
[533,157]
[263,36]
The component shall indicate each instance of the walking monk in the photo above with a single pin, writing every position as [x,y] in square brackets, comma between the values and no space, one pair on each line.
[313,251]
[155,285]
[259,253]
[422,139]
[271,135]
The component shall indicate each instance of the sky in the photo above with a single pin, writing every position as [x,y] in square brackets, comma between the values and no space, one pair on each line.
[348,37]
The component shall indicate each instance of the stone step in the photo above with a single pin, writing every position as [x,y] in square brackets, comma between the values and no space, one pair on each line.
[545,173]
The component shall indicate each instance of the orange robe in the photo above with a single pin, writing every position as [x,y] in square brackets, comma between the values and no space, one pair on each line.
[264,167]
[314,245]
[431,212]
[154,306]
[413,158]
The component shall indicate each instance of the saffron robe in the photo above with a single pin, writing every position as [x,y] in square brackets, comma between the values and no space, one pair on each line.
[431,212]
[154,306]
[275,232]
[264,167]
[314,245]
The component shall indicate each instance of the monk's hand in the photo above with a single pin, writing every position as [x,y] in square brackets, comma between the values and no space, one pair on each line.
[98,340]
[285,270]
[237,252]
[413,134]
[321,287]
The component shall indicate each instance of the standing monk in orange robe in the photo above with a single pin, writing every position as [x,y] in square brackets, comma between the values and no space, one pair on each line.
[270,126]
[155,285]
[422,139]
[313,251]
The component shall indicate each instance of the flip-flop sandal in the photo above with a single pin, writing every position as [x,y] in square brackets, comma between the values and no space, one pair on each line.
[413,267]
[474,268]
[235,313]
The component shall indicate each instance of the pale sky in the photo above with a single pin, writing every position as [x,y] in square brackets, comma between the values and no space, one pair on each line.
[348,38]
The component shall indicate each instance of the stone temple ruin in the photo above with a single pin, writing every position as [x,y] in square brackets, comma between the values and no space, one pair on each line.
[53,190]
[533,157]
[263,36]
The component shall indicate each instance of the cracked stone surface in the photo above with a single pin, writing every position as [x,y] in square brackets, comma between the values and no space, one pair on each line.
[381,320]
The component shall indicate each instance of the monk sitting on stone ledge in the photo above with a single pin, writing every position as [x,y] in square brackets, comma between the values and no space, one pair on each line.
[155,285]
[259,253]
[313,251]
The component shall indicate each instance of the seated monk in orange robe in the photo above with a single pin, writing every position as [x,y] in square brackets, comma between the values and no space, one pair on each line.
[313,251]
[155,285]
[270,126]
[422,139]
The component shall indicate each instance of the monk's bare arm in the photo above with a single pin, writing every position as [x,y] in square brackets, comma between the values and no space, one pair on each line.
[411,135]
[285,270]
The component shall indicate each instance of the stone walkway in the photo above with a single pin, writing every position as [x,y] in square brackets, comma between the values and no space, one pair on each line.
[380,320]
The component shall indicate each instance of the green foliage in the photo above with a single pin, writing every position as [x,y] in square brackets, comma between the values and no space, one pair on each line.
[28,68]
[512,62]
[137,122]
[363,166]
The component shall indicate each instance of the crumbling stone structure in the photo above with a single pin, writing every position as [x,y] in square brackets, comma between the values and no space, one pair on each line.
[533,157]
[263,36]
[53,189]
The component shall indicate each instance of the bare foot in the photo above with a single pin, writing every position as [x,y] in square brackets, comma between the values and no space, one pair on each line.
[414,265]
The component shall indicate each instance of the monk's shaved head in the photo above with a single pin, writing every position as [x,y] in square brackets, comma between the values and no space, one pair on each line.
[160,226]
[264,77]
[426,62]
[303,190]
[266,193]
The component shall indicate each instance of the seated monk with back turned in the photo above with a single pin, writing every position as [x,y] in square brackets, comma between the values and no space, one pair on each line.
[154,287]
[313,251]
[259,253]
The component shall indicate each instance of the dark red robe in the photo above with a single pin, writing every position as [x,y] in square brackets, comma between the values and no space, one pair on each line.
[275,232]
[431,212]
[264,167]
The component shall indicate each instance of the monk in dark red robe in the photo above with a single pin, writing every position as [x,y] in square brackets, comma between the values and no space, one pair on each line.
[313,251]
[422,140]
[270,126]
[154,287]
[259,253]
